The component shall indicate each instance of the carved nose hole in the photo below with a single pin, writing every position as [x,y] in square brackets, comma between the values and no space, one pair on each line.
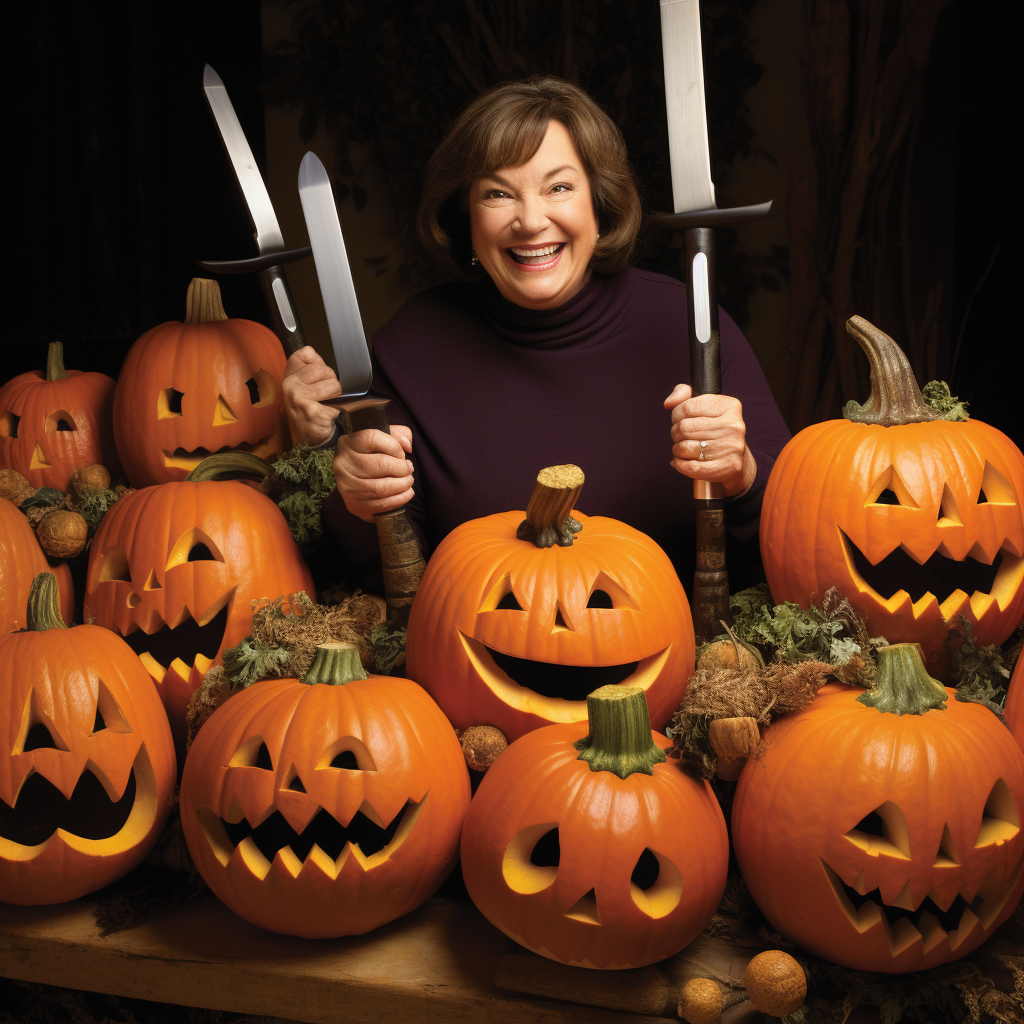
[39,738]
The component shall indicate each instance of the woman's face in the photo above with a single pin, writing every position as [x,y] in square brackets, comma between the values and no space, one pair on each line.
[534,226]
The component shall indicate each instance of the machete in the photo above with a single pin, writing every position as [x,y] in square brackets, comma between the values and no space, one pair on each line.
[400,553]
[696,214]
[269,265]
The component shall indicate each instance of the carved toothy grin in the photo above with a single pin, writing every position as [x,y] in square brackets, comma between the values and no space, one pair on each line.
[929,922]
[949,582]
[182,458]
[188,642]
[324,841]
[516,680]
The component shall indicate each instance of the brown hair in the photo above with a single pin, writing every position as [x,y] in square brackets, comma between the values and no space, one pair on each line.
[504,127]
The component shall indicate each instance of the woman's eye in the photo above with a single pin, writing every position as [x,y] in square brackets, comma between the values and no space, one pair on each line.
[561,187]
[495,193]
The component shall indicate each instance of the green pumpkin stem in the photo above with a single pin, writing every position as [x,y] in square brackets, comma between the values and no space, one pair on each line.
[44,604]
[902,685]
[203,301]
[335,663]
[895,397]
[548,520]
[620,733]
[230,466]
[55,361]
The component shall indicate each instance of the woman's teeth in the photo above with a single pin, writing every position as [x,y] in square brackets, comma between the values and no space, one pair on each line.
[530,256]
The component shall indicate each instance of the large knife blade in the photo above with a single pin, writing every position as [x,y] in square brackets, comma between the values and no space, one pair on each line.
[401,556]
[269,265]
[696,213]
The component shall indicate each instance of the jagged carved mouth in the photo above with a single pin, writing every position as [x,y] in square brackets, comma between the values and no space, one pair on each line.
[41,809]
[568,682]
[324,841]
[185,641]
[928,922]
[939,576]
[184,458]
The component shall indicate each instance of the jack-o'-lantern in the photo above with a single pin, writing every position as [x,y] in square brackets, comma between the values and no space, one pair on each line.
[1014,709]
[328,806]
[584,844]
[21,560]
[883,831]
[508,632]
[193,389]
[87,773]
[54,422]
[174,569]
[914,519]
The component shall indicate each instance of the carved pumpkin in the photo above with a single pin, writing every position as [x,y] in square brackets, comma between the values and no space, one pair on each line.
[174,569]
[326,807]
[509,633]
[882,831]
[54,422]
[585,845]
[87,774]
[189,390]
[21,560]
[915,520]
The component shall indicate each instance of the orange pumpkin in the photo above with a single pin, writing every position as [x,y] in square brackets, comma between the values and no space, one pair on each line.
[883,831]
[584,844]
[188,390]
[325,807]
[915,520]
[87,774]
[508,633]
[54,422]
[174,569]
[21,560]
[1014,708]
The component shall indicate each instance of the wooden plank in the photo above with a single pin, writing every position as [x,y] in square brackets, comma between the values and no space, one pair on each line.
[436,964]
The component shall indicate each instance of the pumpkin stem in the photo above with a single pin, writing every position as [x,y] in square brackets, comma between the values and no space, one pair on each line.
[620,733]
[895,397]
[55,361]
[335,663]
[902,685]
[203,301]
[230,466]
[44,604]
[547,519]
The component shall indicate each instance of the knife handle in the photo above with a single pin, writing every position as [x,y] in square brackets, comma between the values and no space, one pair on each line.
[710,580]
[400,554]
[283,316]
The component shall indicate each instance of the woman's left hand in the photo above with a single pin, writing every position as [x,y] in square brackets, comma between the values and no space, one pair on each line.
[717,420]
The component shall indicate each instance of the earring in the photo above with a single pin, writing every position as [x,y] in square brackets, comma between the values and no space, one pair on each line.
[474,261]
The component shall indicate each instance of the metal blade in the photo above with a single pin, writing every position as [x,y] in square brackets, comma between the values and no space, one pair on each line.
[250,181]
[692,188]
[332,269]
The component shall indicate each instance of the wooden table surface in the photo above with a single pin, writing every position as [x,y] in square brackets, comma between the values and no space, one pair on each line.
[436,964]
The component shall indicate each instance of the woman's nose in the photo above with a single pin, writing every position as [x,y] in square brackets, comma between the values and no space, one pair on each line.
[530,215]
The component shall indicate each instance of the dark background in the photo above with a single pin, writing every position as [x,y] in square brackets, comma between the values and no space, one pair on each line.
[121,184]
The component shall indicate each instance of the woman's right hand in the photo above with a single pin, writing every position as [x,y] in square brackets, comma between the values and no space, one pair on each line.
[371,470]
[308,380]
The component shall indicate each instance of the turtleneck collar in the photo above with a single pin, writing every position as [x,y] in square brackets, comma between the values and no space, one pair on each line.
[588,315]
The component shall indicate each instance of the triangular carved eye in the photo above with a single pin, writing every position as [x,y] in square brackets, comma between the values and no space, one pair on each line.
[1000,820]
[995,488]
[108,712]
[114,567]
[168,403]
[883,831]
[60,419]
[252,753]
[501,596]
[531,860]
[194,546]
[9,424]
[889,489]
[37,731]
[606,593]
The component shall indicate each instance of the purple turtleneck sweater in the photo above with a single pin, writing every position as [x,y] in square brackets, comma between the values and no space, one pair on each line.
[494,392]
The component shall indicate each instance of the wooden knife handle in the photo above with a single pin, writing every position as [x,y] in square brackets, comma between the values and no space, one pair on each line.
[400,554]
